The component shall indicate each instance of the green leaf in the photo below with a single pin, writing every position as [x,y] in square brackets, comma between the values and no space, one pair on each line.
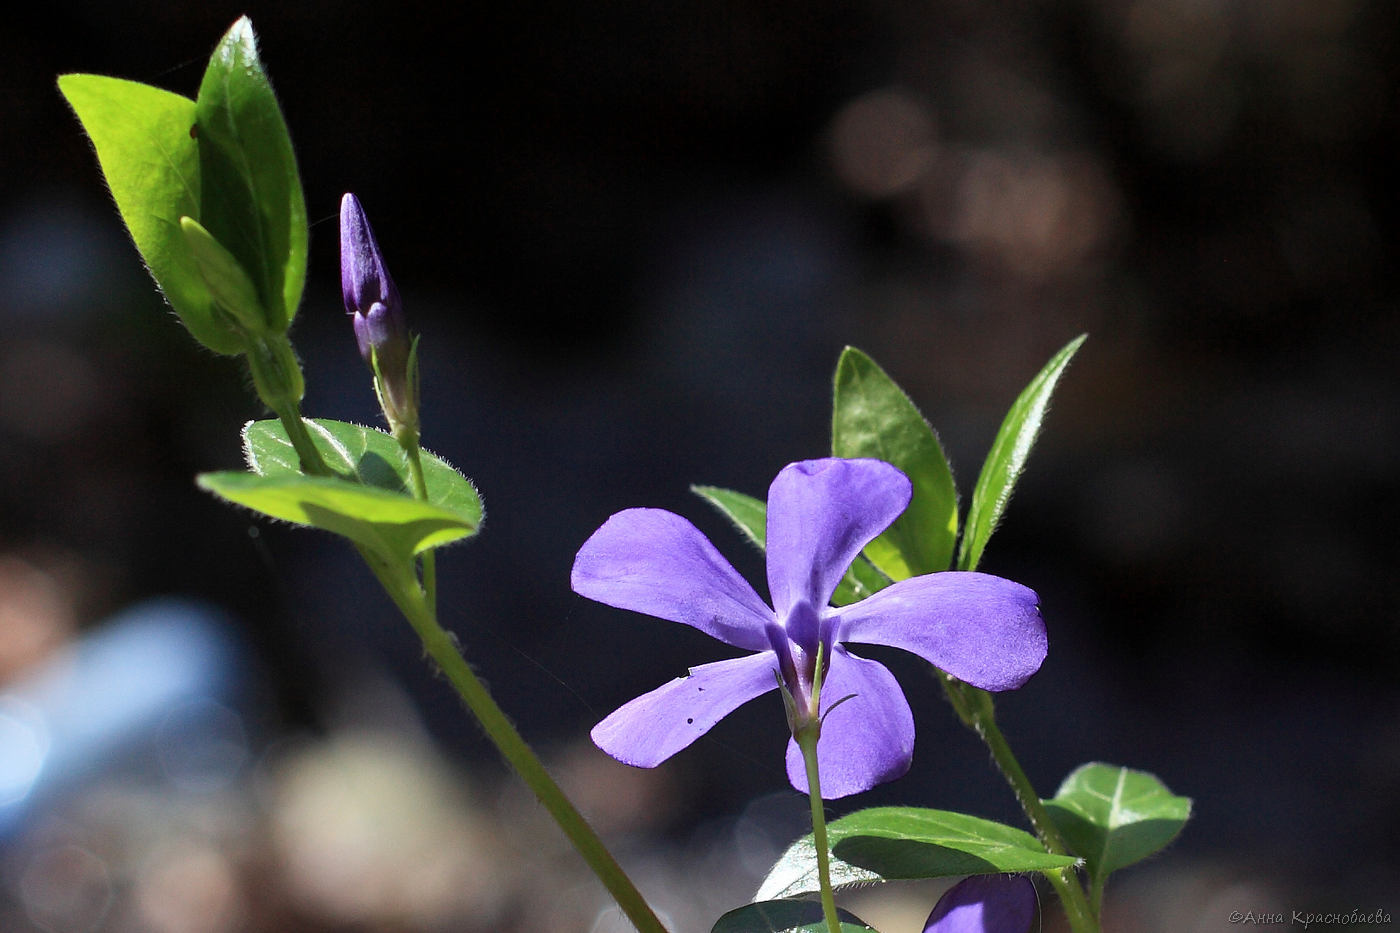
[367,500]
[1115,816]
[144,142]
[860,581]
[1008,456]
[393,525]
[872,417]
[750,516]
[251,199]
[901,843]
[784,916]
[362,455]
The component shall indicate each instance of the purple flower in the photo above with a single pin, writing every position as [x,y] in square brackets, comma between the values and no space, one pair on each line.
[821,513]
[373,301]
[985,904]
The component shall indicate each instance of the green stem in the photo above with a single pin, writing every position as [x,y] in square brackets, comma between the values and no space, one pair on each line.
[417,605]
[310,457]
[976,710]
[807,741]
[443,650]
[409,444]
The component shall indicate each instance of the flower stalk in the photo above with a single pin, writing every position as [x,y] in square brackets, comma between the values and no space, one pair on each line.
[807,741]
[381,331]
[412,453]
[806,731]
[440,646]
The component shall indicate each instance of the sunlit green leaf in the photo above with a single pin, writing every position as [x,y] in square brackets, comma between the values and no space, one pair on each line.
[1115,816]
[1008,456]
[143,136]
[872,417]
[900,843]
[750,516]
[860,581]
[784,916]
[394,526]
[364,455]
[251,199]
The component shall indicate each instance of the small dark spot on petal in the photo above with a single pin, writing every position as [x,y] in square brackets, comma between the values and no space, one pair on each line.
[689,721]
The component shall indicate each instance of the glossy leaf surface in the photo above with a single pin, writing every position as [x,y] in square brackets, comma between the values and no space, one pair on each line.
[251,200]
[394,526]
[872,417]
[901,843]
[364,455]
[1008,456]
[367,500]
[144,142]
[1114,816]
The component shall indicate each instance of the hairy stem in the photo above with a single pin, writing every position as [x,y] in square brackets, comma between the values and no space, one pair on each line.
[310,457]
[440,646]
[807,741]
[976,710]
[409,444]
[417,603]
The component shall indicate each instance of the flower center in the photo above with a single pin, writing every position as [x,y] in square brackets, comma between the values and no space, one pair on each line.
[796,640]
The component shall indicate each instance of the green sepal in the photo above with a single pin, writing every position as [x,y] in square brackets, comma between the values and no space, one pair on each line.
[785,916]
[145,144]
[872,417]
[363,455]
[225,277]
[1008,456]
[750,516]
[251,198]
[1115,816]
[902,843]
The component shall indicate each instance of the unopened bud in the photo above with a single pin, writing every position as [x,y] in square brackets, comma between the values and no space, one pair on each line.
[381,331]
[225,277]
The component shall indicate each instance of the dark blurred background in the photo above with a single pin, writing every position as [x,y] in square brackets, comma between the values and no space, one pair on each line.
[635,238]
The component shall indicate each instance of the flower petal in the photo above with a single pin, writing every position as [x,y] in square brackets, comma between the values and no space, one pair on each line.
[820,514]
[985,904]
[981,629]
[868,739]
[656,725]
[654,561]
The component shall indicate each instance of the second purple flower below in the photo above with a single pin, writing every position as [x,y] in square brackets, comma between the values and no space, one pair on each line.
[985,904]
[982,629]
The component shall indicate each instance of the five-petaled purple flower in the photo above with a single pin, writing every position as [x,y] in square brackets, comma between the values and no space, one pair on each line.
[982,629]
[373,301]
[985,904]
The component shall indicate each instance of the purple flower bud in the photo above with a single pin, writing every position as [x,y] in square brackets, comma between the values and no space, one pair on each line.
[373,302]
[985,904]
[364,279]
